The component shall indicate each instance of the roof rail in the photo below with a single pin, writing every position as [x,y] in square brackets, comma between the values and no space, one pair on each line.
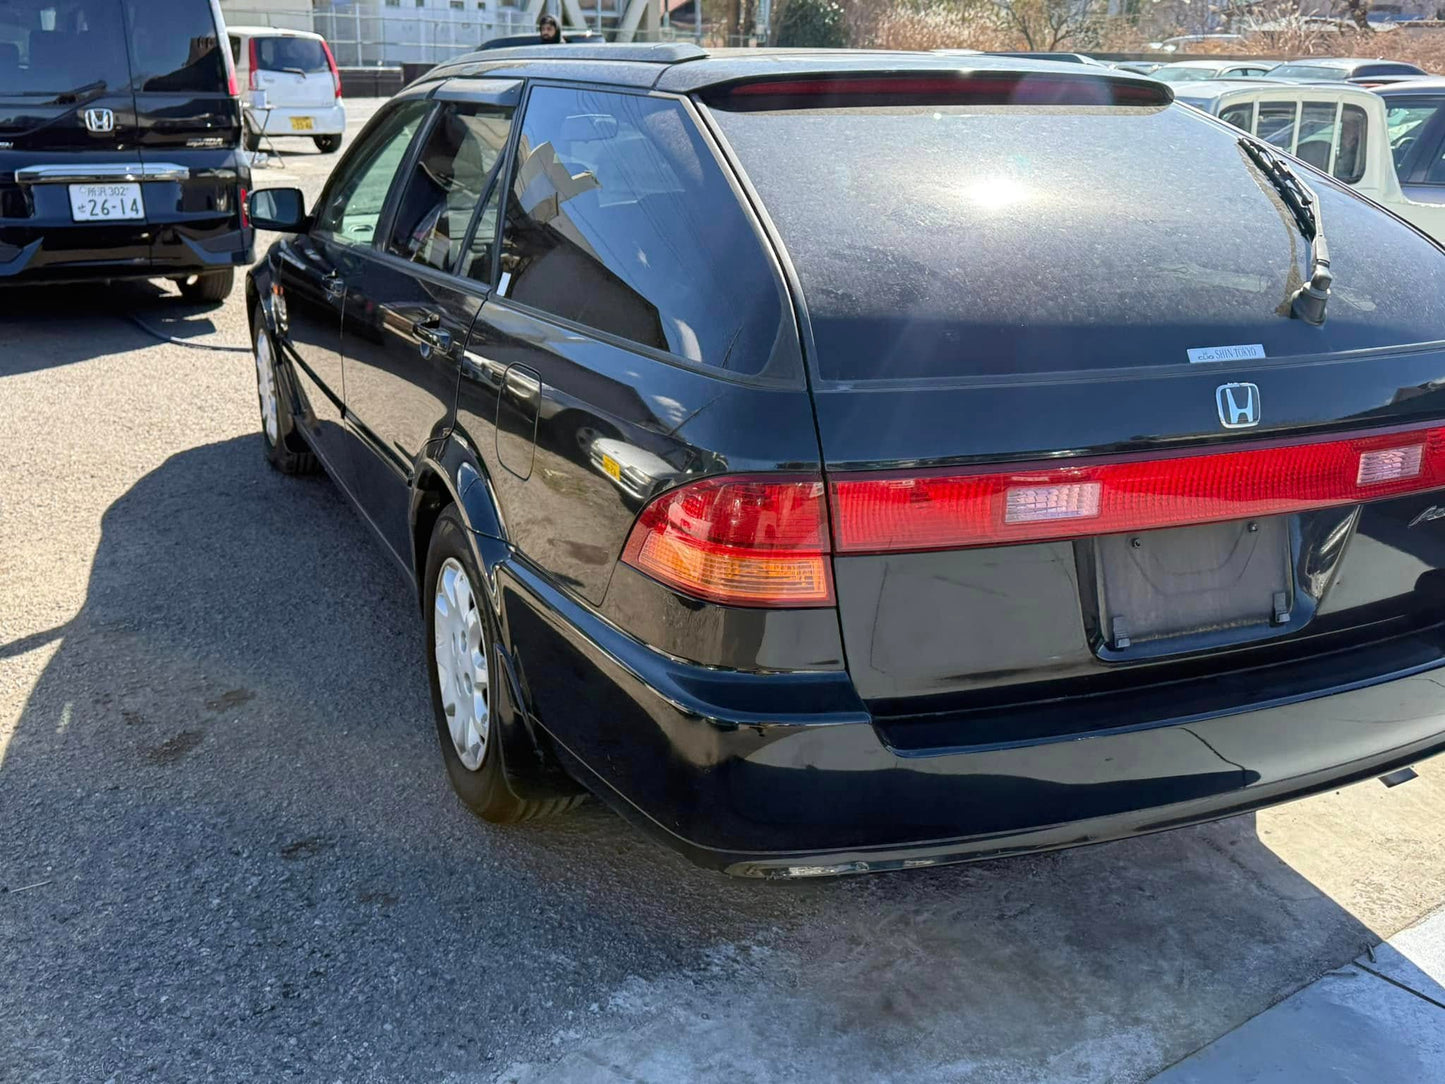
[665,52]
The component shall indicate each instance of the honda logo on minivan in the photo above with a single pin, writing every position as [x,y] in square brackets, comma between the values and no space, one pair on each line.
[100,120]
[1238,405]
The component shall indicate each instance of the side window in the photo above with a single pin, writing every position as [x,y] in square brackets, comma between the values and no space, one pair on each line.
[451,175]
[1317,134]
[1350,159]
[1276,123]
[477,263]
[1405,124]
[1238,115]
[174,47]
[619,218]
[356,196]
[235,49]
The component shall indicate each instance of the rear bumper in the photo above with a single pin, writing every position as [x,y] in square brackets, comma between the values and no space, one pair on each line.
[325,120]
[778,775]
[191,224]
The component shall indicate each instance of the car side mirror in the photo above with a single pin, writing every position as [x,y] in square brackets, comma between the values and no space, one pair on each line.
[281,210]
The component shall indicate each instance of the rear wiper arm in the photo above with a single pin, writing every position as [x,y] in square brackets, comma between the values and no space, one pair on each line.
[1309,301]
[70,97]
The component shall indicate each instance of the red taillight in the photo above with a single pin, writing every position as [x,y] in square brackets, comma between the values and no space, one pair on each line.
[255,63]
[741,541]
[245,207]
[880,513]
[335,71]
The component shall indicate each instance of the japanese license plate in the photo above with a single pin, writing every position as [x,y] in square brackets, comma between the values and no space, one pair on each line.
[302,124]
[106,202]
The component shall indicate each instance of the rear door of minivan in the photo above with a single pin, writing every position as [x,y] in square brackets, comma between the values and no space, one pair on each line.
[188,118]
[1085,470]
[118,129]
[67,115]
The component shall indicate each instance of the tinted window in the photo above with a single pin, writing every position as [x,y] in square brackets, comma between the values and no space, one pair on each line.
[1405,122]
[477,263]
[1366,70]
[1241,116]
[619,218]
[451,174]
[1276,123]
[1350,157]
[50,46]
[291,54]
[174,46]
[990,241]
[1316,143]
[356,196]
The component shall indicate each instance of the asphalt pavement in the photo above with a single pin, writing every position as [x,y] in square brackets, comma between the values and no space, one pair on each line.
[228,849]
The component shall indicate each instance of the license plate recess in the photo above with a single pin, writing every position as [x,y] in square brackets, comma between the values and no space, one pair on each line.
[1158,590]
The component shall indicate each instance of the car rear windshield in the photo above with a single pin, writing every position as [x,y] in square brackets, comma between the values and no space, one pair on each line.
[1316,72]
[947,242]
[291,55]
[56,48]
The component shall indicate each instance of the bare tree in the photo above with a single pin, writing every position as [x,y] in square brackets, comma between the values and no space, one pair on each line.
[1047,25]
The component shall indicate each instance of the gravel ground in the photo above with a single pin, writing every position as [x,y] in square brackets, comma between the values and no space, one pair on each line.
[228,849]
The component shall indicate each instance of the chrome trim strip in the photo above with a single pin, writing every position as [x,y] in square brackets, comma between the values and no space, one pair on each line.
[100,172]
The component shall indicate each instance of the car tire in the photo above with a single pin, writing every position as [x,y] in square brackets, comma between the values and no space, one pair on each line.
[327,144]
[286,449]
[462,669]
[208,286]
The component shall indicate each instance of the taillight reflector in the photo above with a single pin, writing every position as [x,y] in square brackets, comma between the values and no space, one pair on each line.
[254,61]
[880,513]
[738,541]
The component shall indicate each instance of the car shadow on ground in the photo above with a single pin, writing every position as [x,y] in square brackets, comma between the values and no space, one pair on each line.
[46,327]
[226,792]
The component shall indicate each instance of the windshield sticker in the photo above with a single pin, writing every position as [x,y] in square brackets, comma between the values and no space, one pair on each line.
[1199,354]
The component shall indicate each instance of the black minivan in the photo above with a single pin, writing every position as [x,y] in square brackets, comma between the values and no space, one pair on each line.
[120,131]
[841,461]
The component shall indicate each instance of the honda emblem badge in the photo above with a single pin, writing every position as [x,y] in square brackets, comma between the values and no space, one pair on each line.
[100,120]
[1238,405]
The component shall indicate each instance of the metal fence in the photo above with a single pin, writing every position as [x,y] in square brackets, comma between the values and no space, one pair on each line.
[365,36]
[385,32]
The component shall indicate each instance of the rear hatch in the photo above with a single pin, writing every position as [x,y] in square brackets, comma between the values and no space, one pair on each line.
[98,97]
[1035,331]
[294,71]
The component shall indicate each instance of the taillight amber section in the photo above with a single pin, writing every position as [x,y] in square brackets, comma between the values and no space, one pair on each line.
[738,541]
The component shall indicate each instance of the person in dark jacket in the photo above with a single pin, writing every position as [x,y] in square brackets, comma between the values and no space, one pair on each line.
[549,30]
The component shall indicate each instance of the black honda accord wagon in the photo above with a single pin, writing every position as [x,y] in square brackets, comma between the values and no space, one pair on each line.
[850,461]
[120,135]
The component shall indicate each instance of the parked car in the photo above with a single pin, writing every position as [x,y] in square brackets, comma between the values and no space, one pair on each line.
[1415,124]
[1138,67]
[1318,69]
[296,82]
[1341,130]
[1184,41]
[1095,498]
[1192,71]
[119,145]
